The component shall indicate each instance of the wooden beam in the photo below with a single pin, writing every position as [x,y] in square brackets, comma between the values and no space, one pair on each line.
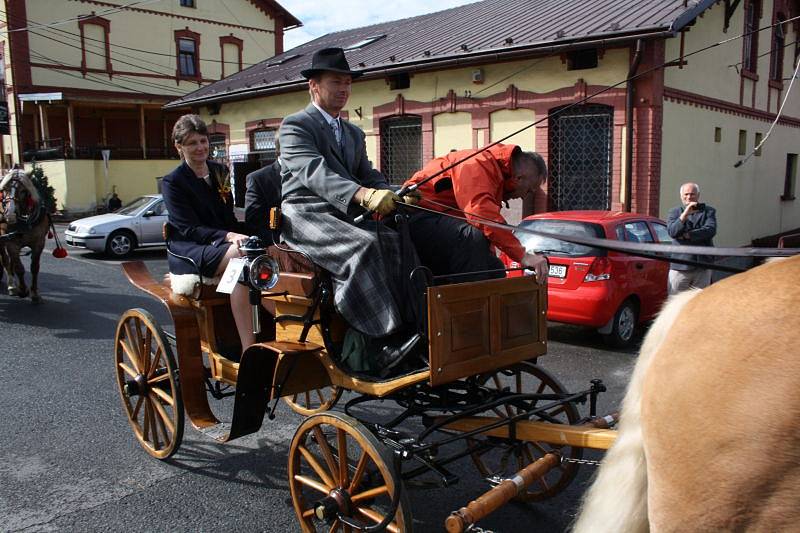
[142,136]
[558,434]
[71,127]
[44,129]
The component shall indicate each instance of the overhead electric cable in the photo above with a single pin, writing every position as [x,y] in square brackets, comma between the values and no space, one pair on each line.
[102,81]
[774,122]
[82,17]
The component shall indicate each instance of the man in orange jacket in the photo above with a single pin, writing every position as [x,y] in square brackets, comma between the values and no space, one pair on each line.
[475,187]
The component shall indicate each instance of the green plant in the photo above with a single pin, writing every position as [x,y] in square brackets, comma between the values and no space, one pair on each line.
[46,192]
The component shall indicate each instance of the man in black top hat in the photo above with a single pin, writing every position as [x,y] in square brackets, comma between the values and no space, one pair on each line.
[328,181]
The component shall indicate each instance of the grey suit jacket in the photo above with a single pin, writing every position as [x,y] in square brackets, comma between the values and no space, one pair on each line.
[312,163]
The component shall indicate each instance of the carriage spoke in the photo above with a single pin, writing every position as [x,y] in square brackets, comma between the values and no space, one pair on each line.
[361,467]
[543,483]
[308,400]
[135,413]
[161,422]
[321,397]
[148,406]
[325,448]
[528,454]
[166,398]
[316,467]
[538,447]
[341,443]
[146,347]
[309,513]
[334,527]
[158,379]
[316,485]
[518,382]
[128,370]
[377,518]
[371,493]
[156,360]
[146,422]
[138,329]
[554,413]
[164,416]
[130,352]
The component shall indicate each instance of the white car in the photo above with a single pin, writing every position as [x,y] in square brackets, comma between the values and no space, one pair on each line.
[137,225]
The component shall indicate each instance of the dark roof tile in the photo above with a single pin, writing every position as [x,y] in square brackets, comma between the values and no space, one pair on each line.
[480,27]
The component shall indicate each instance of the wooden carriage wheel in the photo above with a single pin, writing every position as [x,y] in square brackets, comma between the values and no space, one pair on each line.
[314,401]
[147,377]
[505,457]
[337,467]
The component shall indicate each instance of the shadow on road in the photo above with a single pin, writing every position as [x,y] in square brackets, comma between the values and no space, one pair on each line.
[70,308]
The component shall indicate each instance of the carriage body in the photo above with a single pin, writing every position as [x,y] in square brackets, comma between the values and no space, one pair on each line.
[484,339]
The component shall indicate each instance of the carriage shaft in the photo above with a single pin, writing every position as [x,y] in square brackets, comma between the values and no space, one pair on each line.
[498,496]
[584,436]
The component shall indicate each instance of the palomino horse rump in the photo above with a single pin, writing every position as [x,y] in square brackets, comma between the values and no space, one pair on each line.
[708,436]
[23,223]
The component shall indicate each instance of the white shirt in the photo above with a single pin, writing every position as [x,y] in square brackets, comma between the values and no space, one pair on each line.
[329,119]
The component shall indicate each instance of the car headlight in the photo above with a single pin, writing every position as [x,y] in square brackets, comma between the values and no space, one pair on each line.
[264,272]
[92,231]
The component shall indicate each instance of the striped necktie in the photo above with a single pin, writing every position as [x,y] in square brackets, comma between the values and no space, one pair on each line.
[337,131]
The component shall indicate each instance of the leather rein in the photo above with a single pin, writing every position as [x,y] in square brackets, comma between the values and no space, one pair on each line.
[659,252]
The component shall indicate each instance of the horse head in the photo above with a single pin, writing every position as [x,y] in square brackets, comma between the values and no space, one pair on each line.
[19,199]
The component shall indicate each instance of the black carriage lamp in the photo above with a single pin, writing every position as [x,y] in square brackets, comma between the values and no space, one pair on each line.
[260,273]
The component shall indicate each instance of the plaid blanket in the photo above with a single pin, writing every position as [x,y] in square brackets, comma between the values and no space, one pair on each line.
[364,261]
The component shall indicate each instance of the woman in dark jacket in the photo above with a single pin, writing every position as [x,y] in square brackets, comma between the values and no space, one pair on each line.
[200,205]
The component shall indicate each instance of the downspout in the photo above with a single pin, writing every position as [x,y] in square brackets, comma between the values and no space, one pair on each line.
[637,59]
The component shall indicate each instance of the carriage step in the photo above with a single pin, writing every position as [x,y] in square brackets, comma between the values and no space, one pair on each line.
[218,432]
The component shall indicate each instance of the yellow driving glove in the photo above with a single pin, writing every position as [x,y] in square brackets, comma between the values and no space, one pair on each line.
[412,197]
[381,201]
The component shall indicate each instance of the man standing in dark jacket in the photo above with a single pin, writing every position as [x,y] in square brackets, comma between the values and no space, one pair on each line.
[694,224]
[263,193]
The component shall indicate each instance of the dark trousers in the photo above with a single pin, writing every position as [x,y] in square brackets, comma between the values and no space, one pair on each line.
[452,246]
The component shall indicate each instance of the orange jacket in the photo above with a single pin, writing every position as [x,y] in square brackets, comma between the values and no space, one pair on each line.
[476,187]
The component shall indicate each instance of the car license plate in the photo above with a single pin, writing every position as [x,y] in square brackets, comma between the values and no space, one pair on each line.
[558,271]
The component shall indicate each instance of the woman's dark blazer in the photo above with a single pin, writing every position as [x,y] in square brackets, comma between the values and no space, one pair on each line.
[200,216]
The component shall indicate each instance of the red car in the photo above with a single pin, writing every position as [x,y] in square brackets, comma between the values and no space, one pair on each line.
[610,291]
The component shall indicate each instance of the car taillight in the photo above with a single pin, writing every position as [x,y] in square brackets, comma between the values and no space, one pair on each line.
[600,270]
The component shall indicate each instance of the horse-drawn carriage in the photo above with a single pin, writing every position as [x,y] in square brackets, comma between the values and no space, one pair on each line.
[482,395]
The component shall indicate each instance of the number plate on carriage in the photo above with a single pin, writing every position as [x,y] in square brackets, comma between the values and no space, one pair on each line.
[558,271]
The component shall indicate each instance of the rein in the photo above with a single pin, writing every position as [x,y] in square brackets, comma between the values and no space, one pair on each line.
[647,250]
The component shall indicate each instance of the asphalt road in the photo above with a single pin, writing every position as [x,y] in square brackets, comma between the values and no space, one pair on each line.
[69,461]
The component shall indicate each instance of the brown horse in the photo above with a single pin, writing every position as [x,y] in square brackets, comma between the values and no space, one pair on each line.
[23,223]
[708,438]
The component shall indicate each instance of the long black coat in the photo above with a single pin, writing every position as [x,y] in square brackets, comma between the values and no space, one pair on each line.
[200,216]
[263,193]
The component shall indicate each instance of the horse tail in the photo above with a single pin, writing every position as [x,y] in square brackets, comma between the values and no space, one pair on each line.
[617,500]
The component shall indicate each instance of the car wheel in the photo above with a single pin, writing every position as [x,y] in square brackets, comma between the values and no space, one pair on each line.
[624,325]
[120,244]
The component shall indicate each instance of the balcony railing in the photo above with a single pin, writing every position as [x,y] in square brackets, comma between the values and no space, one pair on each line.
[50,149]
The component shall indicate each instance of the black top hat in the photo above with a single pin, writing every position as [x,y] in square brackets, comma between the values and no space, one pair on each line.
[330,59]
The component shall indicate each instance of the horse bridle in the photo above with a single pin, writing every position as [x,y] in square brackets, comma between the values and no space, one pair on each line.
[24,208]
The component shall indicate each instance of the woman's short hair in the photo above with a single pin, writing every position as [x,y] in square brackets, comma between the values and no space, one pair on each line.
[188,124]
